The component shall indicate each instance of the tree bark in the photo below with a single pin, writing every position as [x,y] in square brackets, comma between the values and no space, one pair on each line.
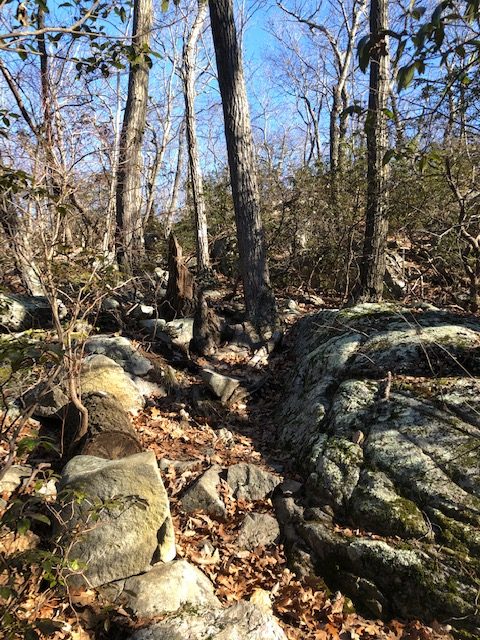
[259,299]
[189,58]
[372,267]
[129,233]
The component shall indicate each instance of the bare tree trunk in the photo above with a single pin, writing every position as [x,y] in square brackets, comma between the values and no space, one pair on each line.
[129,233]
[189,57]
[372,267]
[259,299]
[177,181]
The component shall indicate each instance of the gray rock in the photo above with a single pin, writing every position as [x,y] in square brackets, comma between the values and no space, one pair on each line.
[14,477]
[49,401]
[142,311]
[120,350]
[222,386]
[110,304]
[249,482]
[243,620]
[258,529]
[123,523]
[203,495]
[149,389]
[18,313]
[178,332]
[382,411]
[180,466]
[102,374]
[166,588]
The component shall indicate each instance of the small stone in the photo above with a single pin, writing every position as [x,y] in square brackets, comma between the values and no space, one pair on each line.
[14,476]
[222,386]
[249,482]
[204,496]
[258,529]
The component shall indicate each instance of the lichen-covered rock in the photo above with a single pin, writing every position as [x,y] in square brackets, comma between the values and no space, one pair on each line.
[243,620]
[382,411]
[114,517]
[249,482]
[102,374]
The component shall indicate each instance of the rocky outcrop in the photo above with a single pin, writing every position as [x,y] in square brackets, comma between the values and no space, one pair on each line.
[383,414]
[114,517]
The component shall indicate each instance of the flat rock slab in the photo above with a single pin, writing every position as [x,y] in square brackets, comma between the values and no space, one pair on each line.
[382,411]
[103,374]
[123,520]
[242,621]
[122,351]
[164,589]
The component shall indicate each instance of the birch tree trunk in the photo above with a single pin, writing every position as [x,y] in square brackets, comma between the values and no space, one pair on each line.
[372,267]
[129,232]
[259,299]
[189,59]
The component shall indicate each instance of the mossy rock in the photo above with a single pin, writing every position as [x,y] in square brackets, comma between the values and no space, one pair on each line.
[381,411]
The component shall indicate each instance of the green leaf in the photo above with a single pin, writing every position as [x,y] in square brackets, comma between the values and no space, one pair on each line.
[363,49]
[39,517]
[6,592]
[165,4]
[23,525]
[418,11]
[405,76]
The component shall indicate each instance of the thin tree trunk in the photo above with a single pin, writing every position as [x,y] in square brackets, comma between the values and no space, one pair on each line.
[372,268]
[259,299]
[129,236]
[177,181]
[189,57]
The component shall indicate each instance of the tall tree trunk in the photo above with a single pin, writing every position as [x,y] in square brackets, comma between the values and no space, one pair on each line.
[372,267]
[189,58]
[259,299]
[129,233]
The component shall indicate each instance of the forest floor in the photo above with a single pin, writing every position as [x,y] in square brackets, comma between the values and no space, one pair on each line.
[244,431]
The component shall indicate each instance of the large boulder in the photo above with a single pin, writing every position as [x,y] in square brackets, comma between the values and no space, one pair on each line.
[114,518]
[102,374]
[120,350]
[382,413]
[243,620]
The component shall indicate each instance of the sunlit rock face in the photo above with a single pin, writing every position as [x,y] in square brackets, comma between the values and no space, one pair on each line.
[383,414]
